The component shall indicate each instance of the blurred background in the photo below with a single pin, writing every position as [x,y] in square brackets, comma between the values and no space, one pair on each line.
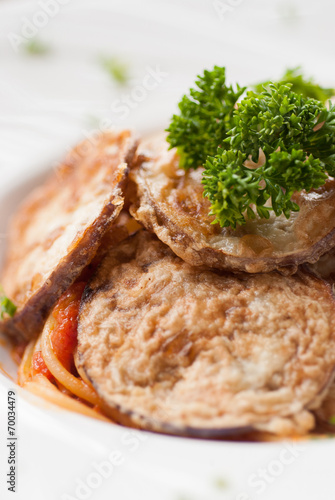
[71,67]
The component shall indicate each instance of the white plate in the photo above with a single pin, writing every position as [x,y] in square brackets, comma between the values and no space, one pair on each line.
[48,103]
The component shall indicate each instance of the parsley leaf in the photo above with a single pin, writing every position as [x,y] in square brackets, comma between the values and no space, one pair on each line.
[234,189]
[204,119]
[300,85]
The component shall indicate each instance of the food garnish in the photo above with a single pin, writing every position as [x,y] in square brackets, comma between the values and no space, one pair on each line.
[294,133]
[6,305]
[300,85]
[205,118]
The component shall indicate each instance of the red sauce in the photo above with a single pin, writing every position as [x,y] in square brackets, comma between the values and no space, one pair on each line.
[64,336]
[39,366]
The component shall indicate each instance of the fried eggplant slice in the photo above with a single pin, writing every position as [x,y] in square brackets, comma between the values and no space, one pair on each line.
[170,203]
[186,350]
[58,228]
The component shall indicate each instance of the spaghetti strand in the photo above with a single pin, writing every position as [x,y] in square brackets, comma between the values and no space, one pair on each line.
[76,386]
[40,386]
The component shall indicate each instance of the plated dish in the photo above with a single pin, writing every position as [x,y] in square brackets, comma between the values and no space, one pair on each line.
[134,306]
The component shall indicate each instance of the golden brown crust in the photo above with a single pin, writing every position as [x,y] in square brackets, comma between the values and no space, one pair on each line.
[170,203]
[58,228]
[179,349]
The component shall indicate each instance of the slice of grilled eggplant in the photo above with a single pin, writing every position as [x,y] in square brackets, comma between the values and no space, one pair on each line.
[170,203]
[184,350]
[58,228]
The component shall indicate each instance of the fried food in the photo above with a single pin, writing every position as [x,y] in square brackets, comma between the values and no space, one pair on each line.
[185,350]
[170,203]
[57,230]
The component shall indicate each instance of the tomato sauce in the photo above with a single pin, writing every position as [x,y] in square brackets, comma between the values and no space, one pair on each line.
[64,335]
[39,366]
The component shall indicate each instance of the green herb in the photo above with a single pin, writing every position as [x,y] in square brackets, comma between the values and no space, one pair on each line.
[220,483]
[233,188]
[6,306]
[204,119]
[295,133]
[300,85]
[36,47]
[118,70]
[297,156]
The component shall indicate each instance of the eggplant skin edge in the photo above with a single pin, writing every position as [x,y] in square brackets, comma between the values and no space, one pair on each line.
[28,322]
[186,248]
[29,319]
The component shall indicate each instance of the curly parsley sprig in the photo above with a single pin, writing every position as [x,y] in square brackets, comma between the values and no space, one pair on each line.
[234,189]
[204,119]
[274,119]
[296,135]
[300,85]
